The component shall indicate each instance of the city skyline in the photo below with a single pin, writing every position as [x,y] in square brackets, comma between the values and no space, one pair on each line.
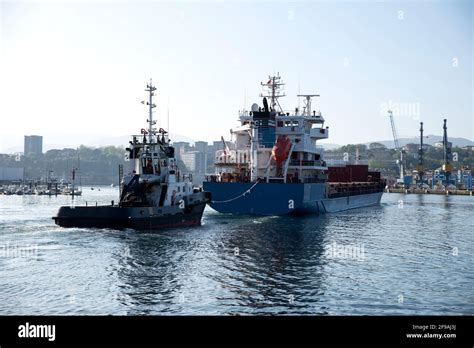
[121,141]
[71,70]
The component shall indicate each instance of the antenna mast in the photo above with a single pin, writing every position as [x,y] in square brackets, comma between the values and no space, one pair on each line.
[274,91]
[150,89]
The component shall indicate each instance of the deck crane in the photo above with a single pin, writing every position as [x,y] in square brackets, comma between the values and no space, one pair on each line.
[400,162]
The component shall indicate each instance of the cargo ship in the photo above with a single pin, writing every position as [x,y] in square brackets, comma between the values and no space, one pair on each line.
[273,166]
[154,194]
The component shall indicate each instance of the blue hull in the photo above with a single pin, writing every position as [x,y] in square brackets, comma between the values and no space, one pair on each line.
[281,199]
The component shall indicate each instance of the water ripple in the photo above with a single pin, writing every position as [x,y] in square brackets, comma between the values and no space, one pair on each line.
[414,257]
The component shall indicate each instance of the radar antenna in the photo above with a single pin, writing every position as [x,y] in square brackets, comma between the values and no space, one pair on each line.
[307,104]
[273,90]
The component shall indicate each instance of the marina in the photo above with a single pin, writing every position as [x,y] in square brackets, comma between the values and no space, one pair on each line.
[39,189]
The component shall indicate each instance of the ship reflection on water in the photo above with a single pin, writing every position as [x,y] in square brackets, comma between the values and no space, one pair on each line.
[252,263]
[356,262]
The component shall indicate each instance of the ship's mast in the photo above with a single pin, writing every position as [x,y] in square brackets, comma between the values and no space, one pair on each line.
[150,89]
[307,107]
[274,91]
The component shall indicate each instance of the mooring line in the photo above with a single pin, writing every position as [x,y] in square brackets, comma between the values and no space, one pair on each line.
[239,196]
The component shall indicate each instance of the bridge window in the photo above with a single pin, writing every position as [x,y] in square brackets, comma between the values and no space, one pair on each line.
[147,165]
[291,123]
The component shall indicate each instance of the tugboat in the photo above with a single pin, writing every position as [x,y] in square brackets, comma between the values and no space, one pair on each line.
[275,168]
[153,195]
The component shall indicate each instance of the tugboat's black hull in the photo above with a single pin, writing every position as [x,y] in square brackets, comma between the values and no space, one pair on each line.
[140,218]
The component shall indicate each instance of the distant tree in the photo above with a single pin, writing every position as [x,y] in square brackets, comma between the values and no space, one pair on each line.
[100,165]
[377,147]
[351,148]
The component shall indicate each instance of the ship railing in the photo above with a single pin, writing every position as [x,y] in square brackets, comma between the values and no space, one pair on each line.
[352,193]
[313,180]
[315,114]
[227,177]
[320,133]
[350,190]
[156,137]
[233,177]
[88,204]
[306,163]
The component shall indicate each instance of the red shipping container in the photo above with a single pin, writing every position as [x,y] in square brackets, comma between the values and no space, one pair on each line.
[339,174]
[359,172]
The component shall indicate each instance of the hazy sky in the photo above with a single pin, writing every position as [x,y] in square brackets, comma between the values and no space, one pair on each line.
[70,68]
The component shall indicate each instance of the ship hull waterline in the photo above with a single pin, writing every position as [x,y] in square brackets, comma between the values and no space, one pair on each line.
[139,218]
[283,199]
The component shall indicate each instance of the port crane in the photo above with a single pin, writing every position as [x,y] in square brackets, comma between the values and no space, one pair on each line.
[447,167]
[400,162]
[420,166]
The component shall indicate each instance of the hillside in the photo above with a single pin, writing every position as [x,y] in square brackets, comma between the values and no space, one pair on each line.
[430,140]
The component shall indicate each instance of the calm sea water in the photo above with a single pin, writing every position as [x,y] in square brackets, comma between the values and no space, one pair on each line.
[410,255]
